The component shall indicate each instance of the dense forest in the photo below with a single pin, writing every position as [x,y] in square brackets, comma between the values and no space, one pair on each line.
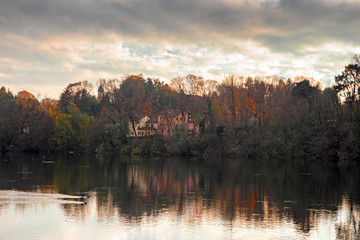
[253,117]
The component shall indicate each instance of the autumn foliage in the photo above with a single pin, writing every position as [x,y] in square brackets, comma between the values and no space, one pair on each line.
[257,117]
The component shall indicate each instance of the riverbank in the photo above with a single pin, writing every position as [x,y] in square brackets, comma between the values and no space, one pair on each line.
[331,143]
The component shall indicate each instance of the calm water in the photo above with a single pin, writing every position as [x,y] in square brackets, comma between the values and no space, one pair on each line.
[40,198]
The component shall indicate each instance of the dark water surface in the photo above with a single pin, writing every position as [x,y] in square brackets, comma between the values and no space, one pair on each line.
[87,197]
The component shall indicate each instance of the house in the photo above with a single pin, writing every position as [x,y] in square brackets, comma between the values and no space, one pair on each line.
[191,125]
[137,125]
[168,122]
[165,123]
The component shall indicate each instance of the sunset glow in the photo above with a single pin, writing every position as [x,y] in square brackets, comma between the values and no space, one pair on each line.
[46,45]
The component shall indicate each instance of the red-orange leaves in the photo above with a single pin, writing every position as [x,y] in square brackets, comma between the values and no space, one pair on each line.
[252,106]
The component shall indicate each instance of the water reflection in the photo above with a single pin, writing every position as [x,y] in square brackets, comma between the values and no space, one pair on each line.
[179,198]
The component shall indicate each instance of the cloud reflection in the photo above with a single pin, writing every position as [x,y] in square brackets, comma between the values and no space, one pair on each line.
[169,198]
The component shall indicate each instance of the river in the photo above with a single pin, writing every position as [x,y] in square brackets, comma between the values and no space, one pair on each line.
[117,197]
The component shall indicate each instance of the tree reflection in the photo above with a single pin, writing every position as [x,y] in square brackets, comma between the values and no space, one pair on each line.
[348,222]
[237,192]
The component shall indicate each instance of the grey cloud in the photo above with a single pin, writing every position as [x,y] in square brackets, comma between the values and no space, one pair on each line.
[280,26]
[285,26]
[311,23]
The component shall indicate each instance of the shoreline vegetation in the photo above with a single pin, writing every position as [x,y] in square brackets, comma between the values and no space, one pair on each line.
[251,117]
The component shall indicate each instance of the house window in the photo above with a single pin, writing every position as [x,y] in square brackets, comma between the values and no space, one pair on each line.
[138,133]
[132,133]
[152,125]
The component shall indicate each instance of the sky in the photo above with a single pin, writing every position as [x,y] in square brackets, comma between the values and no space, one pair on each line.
[47,44]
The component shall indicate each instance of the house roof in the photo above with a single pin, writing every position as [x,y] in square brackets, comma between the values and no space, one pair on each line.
[140,116]
[153,120]
[167,113]
[174,113]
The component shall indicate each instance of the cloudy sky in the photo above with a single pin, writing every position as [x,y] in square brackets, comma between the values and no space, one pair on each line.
[47,44]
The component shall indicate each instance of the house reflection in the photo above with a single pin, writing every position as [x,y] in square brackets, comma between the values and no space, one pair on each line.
[234,193]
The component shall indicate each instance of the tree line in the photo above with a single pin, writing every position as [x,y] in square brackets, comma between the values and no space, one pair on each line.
[267,118]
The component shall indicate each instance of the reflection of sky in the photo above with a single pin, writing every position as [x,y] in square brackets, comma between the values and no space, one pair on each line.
[175,198]
[96,221]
